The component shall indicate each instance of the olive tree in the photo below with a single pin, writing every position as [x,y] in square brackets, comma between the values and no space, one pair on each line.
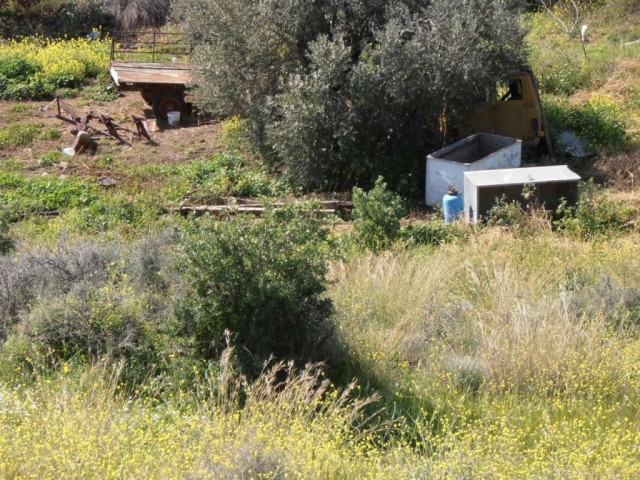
[338,92]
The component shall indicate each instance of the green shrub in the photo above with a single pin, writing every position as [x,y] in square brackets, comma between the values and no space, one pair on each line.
[432,233]
[37,275]
[90,302]
[506,214]
[339,93]
[596,216]
[229,175]
[18,67]
[263,280]
[376,216]
[598,121]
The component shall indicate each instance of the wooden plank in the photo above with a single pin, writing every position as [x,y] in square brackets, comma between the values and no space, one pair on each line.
[219,210]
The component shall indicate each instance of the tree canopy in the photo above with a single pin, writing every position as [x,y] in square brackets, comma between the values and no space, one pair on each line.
[339,92]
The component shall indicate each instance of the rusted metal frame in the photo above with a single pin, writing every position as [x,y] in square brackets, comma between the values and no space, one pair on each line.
[75,118]
[112,128]
[140,126]
[82,124]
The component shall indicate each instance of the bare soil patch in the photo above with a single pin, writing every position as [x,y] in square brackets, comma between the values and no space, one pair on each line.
[194,139]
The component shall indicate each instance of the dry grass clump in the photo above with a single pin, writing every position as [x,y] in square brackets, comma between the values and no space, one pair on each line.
[132,14]
[621,171]
[500,310]
[513,357]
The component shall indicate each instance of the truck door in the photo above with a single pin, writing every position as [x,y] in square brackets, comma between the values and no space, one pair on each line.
[514,112]
[517,110]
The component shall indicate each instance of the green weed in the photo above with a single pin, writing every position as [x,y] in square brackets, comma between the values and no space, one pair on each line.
[599,121]
[376,216]
[23,195]
[19,135]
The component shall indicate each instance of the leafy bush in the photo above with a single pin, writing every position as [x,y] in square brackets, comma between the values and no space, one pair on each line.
[339,93]
[596,216]
[506,214]
[16,67]
[524,216]
[599,121]
[263,280]
[376,216]
[432,233]
[229,175]
[89,301]
[29,277]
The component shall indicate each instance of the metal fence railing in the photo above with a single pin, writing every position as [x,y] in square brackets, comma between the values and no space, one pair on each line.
[150,47]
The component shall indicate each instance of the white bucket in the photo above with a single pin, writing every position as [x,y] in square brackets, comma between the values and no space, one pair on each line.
[173,118]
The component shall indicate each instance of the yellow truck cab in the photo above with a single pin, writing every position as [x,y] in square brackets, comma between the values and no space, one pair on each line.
[514,111]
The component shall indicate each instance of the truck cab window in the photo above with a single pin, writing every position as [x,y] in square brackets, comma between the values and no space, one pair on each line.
[510,90]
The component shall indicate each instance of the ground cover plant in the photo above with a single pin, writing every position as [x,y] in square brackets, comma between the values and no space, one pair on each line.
[36,67]
[525,368]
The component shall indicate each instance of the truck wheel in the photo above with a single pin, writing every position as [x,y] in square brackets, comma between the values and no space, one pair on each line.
[167,102]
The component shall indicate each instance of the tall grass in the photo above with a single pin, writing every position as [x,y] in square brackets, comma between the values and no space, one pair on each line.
[517,309]
[509,357]
[293,425]
[503,357]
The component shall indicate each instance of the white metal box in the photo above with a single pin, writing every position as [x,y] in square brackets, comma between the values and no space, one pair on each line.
[482,151]
[551,185]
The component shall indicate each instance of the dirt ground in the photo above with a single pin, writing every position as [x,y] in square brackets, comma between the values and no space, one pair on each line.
[194,139]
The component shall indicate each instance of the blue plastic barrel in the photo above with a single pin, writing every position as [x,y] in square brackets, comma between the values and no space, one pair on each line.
[453,206]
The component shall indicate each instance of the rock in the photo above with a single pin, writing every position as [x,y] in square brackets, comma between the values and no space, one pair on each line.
[107,182]
[571,145]
[82,140]
[151,125]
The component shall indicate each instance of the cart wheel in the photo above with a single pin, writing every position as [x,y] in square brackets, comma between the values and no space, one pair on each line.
[147,97]
[167,102]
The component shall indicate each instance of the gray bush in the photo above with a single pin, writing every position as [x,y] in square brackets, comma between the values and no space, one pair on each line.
[340,92]
[30,277]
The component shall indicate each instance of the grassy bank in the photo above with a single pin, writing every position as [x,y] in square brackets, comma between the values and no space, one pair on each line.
[498,357]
